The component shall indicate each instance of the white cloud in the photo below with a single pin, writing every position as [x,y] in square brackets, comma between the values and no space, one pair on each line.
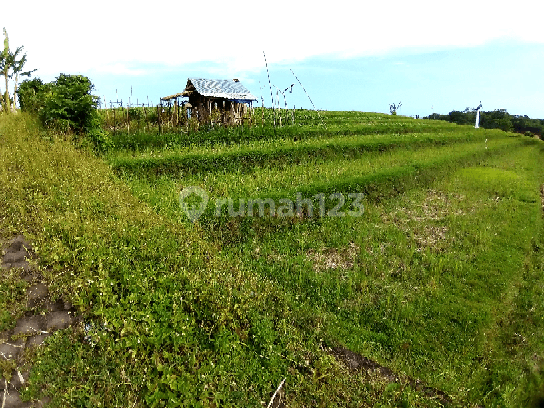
[116,36]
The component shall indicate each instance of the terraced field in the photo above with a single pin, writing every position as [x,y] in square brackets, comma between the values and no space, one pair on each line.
[420,282]
[415,279]
[318,160]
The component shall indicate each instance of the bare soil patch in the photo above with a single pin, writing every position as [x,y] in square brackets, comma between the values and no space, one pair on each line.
[357,362]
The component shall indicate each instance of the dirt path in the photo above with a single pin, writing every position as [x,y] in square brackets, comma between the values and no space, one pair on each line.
[42,317]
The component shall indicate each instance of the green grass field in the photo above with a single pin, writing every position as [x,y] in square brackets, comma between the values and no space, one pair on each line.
[439,279]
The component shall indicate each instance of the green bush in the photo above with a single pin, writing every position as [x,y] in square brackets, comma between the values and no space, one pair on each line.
[70,102]
[32,94]
[99,138]
[66,105]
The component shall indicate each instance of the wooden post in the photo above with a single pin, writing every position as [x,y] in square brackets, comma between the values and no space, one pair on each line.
[159,117]
[128,119]
[178,113]
[145,113]
[175,115]
[114,123]
[169,113]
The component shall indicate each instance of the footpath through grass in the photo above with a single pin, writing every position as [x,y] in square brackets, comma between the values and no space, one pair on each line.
[440,279]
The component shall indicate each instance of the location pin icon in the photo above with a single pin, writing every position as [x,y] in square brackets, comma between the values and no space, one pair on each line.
[192,209]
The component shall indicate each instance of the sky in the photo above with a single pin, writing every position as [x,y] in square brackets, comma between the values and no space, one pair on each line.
[432,57]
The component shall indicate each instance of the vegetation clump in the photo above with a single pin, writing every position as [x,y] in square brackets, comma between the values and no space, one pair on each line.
[66,105]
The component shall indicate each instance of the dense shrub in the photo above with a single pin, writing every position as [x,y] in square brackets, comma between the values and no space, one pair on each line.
[65,105]
[32,94]
[71,103]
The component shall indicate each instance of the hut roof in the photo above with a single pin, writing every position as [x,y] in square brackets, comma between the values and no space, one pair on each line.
[175,96]
[219,88]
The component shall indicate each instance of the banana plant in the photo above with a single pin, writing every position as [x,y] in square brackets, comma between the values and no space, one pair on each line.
[12,68]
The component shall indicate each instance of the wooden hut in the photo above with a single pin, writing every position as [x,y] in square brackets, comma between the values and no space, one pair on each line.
[227,101]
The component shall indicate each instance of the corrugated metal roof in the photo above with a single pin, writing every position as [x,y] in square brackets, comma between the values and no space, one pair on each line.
[222,88]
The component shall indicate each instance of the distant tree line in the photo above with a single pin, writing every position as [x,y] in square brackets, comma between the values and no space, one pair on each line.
[497,119]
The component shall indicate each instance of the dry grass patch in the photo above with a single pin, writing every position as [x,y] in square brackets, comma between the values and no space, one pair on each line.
[333,258]
[423,222]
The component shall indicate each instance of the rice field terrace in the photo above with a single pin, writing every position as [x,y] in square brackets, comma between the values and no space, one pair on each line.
[349,259]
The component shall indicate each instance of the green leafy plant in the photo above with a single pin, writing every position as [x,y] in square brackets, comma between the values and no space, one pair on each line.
[98,137]
[66,105]
[32,94]
[70,103]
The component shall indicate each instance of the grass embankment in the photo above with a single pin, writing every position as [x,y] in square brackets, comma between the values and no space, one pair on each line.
[442,281]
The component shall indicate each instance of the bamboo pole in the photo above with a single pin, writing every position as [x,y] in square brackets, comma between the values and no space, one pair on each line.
[271,94]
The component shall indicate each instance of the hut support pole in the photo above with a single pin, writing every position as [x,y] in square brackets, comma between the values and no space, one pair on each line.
[159,118]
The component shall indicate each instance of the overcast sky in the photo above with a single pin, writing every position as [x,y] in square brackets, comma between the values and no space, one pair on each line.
[431,56]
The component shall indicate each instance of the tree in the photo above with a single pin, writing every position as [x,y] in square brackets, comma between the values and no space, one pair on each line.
[394,108]
[17,71]
[462,118]
[65,104]
[12,68]
[71,102]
